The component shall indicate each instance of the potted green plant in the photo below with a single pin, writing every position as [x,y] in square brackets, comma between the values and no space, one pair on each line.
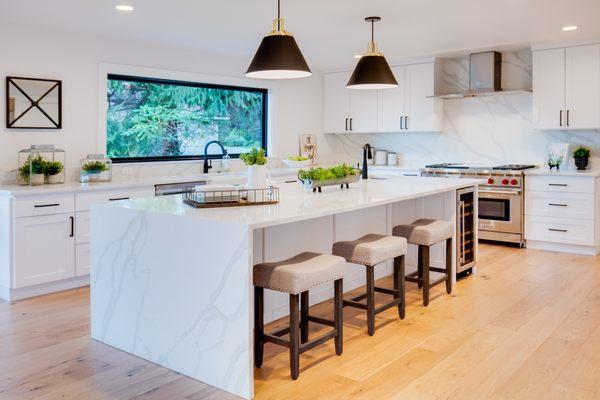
[258,174]
[32,171]
[52,170]
[93,169]
[581,156]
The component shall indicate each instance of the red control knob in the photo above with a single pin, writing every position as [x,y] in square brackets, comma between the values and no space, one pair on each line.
[505,181]
[490,181]
[514,182]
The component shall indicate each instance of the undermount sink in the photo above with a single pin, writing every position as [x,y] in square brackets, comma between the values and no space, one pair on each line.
[167,189]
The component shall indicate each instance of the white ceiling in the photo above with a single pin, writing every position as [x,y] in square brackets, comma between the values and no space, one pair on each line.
[329,32]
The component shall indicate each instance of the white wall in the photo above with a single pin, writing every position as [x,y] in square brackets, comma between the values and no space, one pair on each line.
[77,59]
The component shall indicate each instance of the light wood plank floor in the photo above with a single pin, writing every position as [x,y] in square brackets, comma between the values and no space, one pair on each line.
[527,326]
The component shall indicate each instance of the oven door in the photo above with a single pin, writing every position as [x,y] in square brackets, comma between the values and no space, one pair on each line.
[500,210]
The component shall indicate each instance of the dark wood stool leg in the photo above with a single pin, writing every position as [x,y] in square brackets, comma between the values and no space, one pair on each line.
[338,315]
[371,299]
[258,326]
[399,285]
[304,317]
[420,266]
[449,265]
[425,259]
[294,336]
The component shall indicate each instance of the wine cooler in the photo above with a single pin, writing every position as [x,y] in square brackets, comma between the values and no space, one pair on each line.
[466,225]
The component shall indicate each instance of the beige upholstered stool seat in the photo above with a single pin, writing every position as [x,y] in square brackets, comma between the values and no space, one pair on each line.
[425,232]
[371,249]
[299,273]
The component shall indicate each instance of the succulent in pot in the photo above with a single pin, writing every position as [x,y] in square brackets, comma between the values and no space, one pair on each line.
[258,173]
[52,170]
[581,156]
[32,171]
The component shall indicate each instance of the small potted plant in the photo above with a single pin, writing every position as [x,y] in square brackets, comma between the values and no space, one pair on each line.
[92,170]
[52,170]
[581,156]
[32,171]
[258,174]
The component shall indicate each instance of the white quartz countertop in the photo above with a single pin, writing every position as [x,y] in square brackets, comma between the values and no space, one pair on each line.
[299,204]
[76,187]
[563,172]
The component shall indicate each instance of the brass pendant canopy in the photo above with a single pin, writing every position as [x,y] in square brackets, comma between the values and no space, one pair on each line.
[278,56]
[372,70]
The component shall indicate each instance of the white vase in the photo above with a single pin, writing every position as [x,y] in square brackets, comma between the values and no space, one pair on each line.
[36,179]
[258,177]
[57,178]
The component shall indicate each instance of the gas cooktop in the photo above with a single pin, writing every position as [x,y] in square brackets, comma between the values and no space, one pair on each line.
[507,167]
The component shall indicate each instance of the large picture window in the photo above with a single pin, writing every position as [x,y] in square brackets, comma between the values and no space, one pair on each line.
[156,120]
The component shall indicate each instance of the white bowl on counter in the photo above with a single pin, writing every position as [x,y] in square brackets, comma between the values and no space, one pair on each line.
[297,164]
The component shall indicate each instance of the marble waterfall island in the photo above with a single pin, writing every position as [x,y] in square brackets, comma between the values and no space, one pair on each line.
[172,284]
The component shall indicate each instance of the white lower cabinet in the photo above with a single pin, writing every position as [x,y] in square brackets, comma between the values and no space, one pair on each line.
[560,213]
[44,249]
[82,259]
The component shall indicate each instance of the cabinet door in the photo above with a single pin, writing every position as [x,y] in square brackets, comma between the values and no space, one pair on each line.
[583,87]
[336,102]
[82,259]
[423,113]
[44,249]
[549,89]
[391,104]
[363,110]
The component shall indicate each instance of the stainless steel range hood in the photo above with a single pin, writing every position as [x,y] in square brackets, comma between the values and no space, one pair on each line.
[485,77]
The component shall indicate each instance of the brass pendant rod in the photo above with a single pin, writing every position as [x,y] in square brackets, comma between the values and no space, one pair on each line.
[278,15]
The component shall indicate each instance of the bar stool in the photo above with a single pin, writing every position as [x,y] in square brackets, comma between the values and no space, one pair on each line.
[296,276]
[425,233]
[370,250]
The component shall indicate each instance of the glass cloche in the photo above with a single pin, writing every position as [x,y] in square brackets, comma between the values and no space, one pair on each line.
[96,168]
[41,163]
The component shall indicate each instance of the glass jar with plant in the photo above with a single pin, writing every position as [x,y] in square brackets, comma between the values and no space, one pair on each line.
[95,168]
[581,156]
[258,173]
[53,171]
[32,171]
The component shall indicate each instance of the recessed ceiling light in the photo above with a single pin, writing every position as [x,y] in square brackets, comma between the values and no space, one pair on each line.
[570,28]
[124,7]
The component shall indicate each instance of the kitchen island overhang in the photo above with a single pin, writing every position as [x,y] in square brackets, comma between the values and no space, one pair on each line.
[172,284]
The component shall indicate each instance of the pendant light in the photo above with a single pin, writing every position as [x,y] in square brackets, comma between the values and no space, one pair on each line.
[278,56]
[372,70]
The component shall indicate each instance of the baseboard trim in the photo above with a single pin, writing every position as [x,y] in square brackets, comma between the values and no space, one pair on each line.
[44,288]
[562,248]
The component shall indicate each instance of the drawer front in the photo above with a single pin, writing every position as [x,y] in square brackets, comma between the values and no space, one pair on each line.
[559,204]
[82,227]
[44,205]
[567,184]
[82,259]
[84,200]
[560,230]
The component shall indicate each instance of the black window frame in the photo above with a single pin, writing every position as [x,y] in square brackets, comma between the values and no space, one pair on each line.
[264,130]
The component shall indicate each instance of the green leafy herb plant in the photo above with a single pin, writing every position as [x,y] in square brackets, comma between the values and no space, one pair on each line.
[32,166]
[53,168]
[94,167]
[256,156]
[581,152]
[327,174]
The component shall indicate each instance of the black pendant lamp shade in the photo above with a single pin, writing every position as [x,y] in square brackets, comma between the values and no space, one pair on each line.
[372,70]
[278,56]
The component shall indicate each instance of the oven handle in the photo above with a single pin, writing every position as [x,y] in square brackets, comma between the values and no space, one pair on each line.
[510,192]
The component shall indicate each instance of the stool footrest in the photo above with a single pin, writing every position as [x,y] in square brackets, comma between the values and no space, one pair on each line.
[436,269]
[355,304]
[275,339]
[321,321]
[391,304]
[320,340]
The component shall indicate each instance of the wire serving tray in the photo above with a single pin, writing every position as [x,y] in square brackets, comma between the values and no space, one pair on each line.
[231,197]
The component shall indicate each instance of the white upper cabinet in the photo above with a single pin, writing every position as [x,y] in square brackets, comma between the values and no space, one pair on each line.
[566,88]
[409,107]
[582,100]
[336,102]
[392,104]
[423,113]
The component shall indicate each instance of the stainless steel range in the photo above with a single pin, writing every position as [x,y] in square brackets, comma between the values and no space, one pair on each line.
[501,199]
